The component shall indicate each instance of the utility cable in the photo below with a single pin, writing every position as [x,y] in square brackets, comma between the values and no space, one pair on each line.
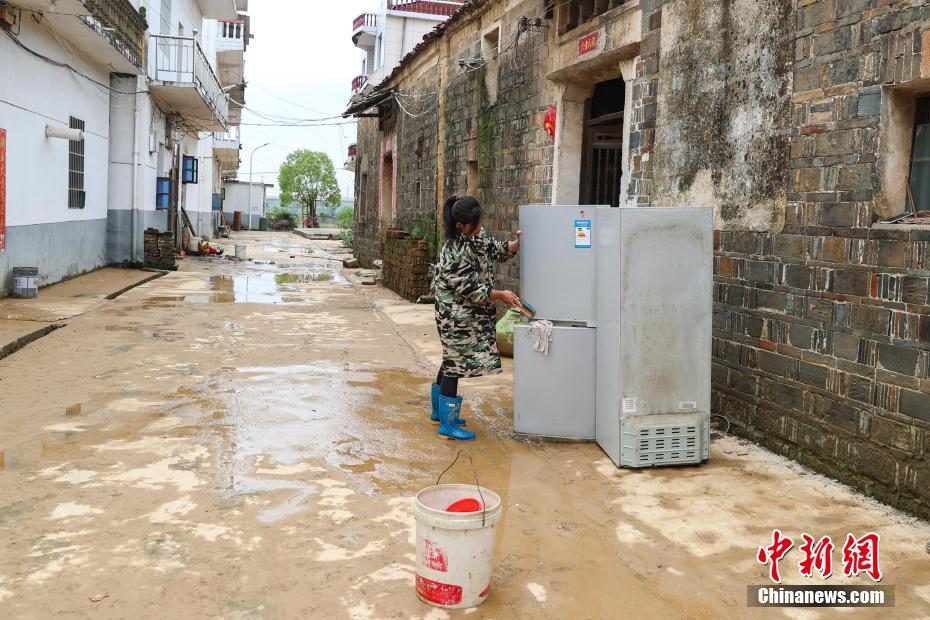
[65,65]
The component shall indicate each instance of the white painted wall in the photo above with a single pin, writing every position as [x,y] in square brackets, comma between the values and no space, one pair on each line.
[33,94]
[237,199]
[400,32]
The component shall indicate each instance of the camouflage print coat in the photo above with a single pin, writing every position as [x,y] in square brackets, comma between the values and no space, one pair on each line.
[465,314]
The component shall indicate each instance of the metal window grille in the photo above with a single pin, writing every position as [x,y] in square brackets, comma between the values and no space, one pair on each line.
[920,158]
[573,13]
[76,194]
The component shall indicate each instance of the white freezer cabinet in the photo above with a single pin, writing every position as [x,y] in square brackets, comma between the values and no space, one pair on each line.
[554,394]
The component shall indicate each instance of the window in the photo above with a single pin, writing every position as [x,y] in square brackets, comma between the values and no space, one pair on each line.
[162,193]
[490,49]
[76,195]
[165,16]
[189,169]
[920,159]
[573,13]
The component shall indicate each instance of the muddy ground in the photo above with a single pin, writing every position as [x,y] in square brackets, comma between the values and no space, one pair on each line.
[243,440]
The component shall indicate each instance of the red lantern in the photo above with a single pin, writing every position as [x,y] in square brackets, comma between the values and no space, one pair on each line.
[549,121]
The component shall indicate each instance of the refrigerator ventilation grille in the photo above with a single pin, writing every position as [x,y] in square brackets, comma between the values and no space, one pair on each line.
[650,443]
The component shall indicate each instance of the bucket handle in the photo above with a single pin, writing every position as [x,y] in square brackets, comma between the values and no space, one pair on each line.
[484,506]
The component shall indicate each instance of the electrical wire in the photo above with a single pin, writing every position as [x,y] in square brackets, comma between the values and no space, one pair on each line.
[467,65]
[288,101]
[65,65]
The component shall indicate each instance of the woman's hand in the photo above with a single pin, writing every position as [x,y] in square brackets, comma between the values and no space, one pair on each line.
[508,298]
[514,246]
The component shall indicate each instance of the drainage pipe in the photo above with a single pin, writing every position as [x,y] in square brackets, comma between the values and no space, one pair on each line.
[135,172]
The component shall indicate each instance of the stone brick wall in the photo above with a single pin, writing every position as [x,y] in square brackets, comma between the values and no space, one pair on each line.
[822,329]
[644,106]
[417,143]
[368,236]
[406,270]
[506,139]
[724,104]
[821,318]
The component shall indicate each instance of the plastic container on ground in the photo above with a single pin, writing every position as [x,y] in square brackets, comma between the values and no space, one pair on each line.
[240,252]
[25,282]
[455,549]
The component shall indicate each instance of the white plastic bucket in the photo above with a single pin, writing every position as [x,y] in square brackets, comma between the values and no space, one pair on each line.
[240,252]
[455,549]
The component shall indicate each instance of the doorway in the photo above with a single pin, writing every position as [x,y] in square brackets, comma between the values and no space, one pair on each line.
[602,144]
[386,206]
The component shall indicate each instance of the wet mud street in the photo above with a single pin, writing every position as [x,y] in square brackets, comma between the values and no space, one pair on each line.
[244,440]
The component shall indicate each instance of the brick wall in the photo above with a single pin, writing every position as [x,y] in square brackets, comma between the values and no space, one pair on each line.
[368,236]
[821,318]
[507,139]
[406,270]
[822,329]
[417,143]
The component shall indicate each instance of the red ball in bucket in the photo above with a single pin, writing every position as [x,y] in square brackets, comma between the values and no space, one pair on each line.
[467,504]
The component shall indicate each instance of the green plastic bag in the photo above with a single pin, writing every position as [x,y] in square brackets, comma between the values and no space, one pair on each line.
[505,331]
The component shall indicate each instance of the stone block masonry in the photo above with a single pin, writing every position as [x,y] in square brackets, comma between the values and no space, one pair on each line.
[799,136]
[824,361]
[406,270]
[818,349]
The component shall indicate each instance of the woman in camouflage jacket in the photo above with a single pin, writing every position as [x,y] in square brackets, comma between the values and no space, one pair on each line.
[465,313]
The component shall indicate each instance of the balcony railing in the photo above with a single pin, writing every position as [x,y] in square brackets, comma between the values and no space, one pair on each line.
[358,82]
[369,20]
[121,25]
[230,36]
[429,7]
[226,146]
[181,61]
[364,30]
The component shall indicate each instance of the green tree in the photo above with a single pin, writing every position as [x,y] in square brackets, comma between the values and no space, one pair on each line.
[345,217]
[309,179]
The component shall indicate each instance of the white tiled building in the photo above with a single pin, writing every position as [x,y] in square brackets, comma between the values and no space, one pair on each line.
[103,106]
[392,32]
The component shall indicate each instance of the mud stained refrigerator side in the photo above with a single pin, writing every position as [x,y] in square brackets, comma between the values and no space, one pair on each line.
[607,376]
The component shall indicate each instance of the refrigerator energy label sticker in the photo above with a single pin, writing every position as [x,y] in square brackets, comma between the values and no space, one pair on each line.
[582,233]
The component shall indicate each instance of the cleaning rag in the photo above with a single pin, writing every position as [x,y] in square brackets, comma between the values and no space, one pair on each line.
[542,329]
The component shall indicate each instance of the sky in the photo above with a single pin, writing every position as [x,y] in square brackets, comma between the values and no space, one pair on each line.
[300,64]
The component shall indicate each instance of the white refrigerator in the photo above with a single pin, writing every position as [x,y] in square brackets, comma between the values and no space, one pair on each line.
[629,291]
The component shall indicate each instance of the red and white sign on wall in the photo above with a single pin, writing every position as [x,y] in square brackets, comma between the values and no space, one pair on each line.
[2,189]
[591,44]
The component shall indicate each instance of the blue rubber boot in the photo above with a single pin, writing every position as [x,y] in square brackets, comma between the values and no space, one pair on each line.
[434,417]
[449,409]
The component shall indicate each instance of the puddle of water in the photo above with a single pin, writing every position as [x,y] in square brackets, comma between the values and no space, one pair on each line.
[252,485]
[289,250]
[266,287]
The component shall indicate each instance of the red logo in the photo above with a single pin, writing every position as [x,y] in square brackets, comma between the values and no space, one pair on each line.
[588,43]
[819,556]
[439,593]
[774,553]
[861,556]
[434,557]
